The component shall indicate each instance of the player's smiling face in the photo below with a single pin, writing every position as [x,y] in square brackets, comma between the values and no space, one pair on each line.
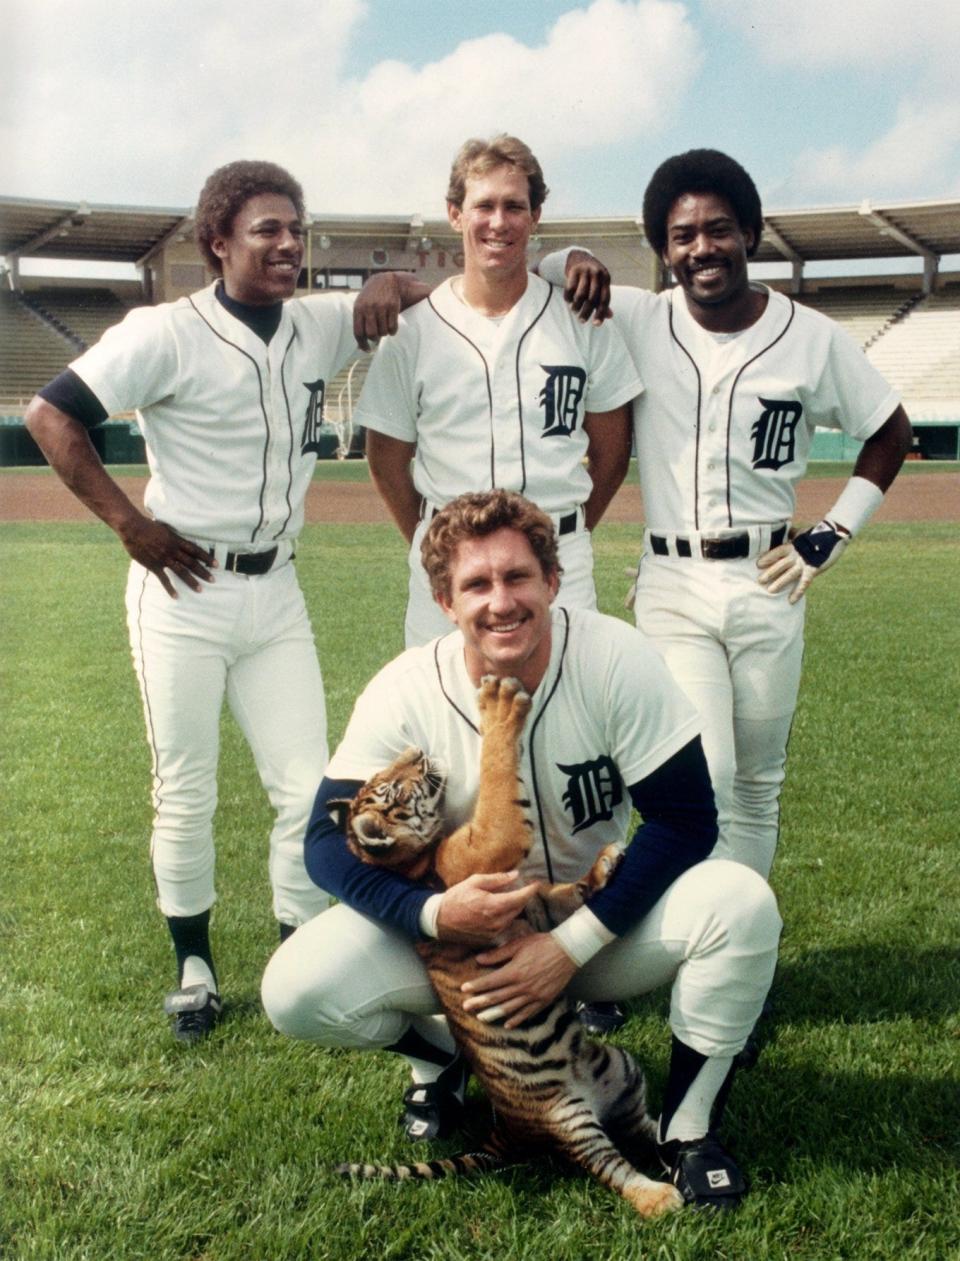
[707,249]
[495,221]
[262,256]
[500,599]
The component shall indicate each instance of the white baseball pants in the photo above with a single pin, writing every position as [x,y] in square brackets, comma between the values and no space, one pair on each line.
[736,652]
[344,980]
[247,639]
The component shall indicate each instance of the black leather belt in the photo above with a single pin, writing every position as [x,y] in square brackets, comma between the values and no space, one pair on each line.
[728,547]
[566,525]
[249,563]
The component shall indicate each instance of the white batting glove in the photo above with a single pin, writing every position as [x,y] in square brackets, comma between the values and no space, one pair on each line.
[798,562]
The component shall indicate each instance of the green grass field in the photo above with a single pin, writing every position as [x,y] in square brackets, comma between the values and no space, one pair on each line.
[115,1143]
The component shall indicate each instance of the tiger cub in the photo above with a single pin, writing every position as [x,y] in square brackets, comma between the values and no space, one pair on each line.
[551,1087]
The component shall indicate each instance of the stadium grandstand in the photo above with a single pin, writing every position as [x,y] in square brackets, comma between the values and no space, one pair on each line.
[908,322]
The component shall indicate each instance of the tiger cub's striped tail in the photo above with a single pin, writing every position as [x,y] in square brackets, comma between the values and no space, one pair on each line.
[467,1163]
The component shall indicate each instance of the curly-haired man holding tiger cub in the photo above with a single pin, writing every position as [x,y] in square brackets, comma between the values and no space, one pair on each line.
[607,731]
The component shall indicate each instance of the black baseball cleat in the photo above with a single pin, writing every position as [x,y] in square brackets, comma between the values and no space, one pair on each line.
[600,1018]
[195,1011]
[704,1173]
[435,1109]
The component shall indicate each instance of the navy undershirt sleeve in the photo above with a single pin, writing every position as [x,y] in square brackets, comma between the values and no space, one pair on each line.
[679,829]
[373,891]
[72,395]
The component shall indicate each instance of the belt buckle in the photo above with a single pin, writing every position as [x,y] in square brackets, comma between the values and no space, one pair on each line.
[729,547]
[233,561]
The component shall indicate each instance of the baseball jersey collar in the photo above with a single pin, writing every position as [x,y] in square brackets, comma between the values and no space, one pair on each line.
[456,311]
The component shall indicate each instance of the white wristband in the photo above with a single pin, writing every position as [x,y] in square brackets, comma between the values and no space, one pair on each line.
[429,914]
[582,936]
[858,501]
[553,268]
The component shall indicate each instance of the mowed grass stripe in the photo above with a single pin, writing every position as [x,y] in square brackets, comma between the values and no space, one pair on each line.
[116,1143]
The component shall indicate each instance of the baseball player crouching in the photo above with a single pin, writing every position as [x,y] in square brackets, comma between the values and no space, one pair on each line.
[609,730]
[737,377]
[228,385]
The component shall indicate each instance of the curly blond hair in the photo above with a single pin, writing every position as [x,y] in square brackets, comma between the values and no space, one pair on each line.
[477,514]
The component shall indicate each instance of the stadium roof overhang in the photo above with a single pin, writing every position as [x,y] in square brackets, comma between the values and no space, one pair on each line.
[77,230]
[130,234]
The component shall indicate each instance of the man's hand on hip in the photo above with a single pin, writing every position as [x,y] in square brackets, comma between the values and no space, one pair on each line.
[796,564]
[159,548]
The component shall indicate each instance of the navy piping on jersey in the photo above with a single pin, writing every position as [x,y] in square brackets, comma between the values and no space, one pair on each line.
[696,462]
[286,403]
[486,373]
[266,418]
[781,334]
[533,761]
[446,695]
[523,448]
[266,421]
[696,449]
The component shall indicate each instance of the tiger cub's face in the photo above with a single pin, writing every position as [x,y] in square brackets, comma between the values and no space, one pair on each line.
[394,820]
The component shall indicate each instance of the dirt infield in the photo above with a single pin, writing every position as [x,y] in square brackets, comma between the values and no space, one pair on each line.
[922,497]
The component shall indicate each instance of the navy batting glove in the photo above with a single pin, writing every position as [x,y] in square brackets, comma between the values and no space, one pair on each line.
[793,566]
[817,545]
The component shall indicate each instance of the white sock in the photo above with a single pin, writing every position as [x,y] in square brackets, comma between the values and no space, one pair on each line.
[196,972]
[692,1118]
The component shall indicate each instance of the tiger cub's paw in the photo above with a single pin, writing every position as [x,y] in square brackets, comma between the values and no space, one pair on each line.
[502,700]
[654,1198]
[603,868]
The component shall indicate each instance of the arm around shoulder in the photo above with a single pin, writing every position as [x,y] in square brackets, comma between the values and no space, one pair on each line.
[379,303]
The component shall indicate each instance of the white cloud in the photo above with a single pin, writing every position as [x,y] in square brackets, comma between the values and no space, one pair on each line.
[138,102]
[605,74]
[917,46]
[831,33]
[921,149]
[117,101]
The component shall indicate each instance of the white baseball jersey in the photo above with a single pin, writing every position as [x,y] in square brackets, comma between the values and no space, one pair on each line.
[497,402]
[606,714]
[230,423]
[724,428]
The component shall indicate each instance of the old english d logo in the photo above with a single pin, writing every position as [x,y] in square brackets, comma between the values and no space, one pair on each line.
[774,434]
[313,418]
[560,399]
[594,790]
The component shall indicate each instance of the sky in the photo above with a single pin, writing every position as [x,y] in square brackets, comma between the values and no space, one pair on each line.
[134,102]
